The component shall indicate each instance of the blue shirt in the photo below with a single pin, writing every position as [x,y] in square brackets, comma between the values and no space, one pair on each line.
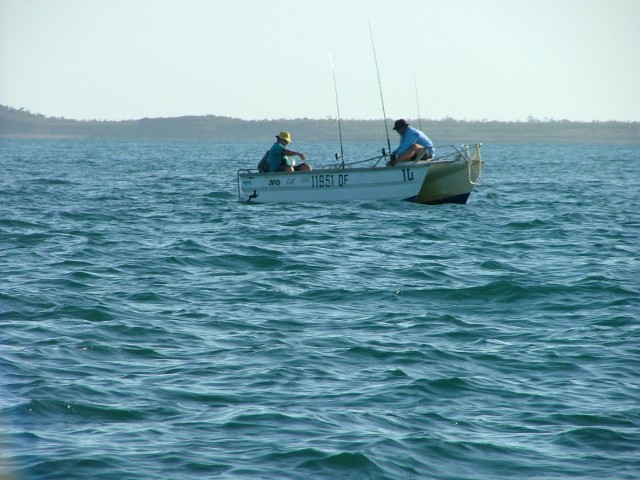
[275,157]
[411,136]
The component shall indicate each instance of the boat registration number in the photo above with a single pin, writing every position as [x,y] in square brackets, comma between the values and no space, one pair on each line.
[340,180]
[329,180]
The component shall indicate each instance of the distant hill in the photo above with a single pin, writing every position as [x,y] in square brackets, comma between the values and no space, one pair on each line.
[19,123]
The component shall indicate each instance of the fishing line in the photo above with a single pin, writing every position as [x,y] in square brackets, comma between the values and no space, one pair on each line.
[415,83]
[384,114]
[335,86]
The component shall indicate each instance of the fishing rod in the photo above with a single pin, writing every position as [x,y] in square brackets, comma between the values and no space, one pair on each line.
[415,83]
[375,58]
[335,86]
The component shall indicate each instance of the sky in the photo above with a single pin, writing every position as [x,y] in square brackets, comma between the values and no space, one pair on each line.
[505,60]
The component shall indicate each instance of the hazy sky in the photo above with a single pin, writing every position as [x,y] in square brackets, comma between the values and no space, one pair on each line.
[257,59]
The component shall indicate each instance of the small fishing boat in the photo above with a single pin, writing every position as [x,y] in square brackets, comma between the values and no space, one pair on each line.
[446,178]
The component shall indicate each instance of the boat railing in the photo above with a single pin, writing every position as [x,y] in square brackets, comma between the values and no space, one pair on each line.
[454,152]
[444,154]
[463,153]
[377,159]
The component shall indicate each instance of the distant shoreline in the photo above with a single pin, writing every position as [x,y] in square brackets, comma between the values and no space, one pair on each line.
[18,123]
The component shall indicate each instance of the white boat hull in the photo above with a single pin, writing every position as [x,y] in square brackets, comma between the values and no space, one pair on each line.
[333,184]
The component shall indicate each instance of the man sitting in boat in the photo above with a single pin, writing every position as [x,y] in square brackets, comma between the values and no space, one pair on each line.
[413,143]
[279,159]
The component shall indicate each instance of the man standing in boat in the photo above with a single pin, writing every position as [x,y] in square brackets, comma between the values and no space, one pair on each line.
[413,142]
[279,160]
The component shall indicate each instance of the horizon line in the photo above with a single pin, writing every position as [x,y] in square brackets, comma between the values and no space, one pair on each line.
[530,118]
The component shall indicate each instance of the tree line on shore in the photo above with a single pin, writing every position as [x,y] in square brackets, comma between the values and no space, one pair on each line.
[19,123]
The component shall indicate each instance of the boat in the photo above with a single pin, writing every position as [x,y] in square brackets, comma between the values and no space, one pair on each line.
[446,178]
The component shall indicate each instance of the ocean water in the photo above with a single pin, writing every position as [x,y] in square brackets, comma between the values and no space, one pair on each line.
[153,327]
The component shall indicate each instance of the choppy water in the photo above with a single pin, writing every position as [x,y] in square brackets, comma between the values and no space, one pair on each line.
[151,326]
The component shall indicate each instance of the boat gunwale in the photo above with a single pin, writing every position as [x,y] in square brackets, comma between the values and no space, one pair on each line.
[335,169]
[460,154]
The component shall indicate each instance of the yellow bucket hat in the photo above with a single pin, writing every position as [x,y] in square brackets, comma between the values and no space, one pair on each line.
[285,136]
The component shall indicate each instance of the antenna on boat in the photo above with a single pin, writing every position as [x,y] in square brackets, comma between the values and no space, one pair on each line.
[375,58]
[415,83]
[335,86]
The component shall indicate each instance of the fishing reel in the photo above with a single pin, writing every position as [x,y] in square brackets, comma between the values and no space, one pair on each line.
[392,156]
